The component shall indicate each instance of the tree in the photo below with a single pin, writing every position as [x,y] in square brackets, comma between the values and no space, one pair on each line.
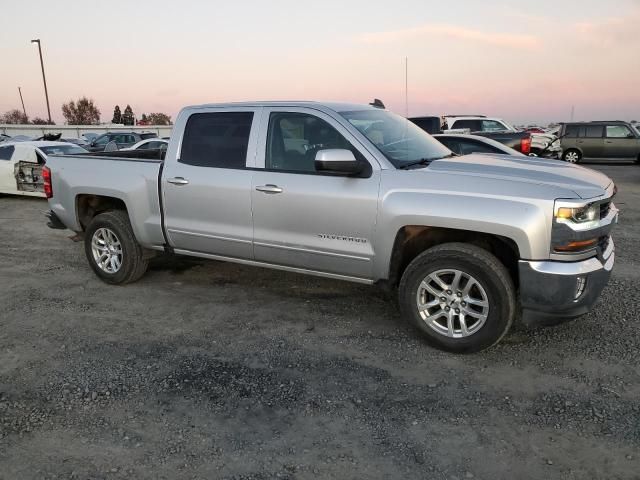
[128,118]
[144,118]
[158,119]
[41,121]
[84,112]
[117,115]
[14,117]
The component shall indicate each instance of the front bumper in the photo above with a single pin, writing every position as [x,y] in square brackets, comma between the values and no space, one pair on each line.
[553,291]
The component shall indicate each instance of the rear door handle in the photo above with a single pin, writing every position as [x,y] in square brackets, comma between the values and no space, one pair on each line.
[178,181]
[269,188]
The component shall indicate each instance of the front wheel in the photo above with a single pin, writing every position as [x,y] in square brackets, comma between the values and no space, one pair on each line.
[459,296]
[112,249]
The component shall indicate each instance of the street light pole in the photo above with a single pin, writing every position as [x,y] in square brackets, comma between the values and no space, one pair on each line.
[44,79]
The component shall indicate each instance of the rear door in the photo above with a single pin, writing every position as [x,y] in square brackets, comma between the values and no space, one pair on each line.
[308,219]
[207,189]
[591,141]
[620,142]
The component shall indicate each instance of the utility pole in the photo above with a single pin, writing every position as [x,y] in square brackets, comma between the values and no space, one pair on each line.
[21,100]
[44,79]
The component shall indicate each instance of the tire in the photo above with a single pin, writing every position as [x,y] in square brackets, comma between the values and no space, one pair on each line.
[493,286]
[572,156]
[114,229]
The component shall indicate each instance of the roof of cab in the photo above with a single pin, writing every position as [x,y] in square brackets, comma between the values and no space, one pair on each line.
[335,106]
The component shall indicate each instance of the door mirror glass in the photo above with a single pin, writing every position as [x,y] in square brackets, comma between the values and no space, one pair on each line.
[338,161]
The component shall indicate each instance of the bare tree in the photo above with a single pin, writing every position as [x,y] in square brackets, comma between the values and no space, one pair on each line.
[84,112]
[14,117]
[158,119]
[41,121]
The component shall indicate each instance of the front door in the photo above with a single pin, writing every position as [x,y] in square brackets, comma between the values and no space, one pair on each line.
[620,142]
[207,190]
[307,219]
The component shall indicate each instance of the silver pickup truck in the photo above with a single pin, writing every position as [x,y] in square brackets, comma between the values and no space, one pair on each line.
[353,193]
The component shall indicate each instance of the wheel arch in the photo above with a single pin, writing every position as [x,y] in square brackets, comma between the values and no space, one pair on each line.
[411,240]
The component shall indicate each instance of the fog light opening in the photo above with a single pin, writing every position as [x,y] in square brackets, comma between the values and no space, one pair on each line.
[581,283]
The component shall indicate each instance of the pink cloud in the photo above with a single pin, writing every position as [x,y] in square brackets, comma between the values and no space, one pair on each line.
[508,40]
[611,31]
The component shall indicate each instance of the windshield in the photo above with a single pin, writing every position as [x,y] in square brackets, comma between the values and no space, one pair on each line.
[62,150]
[398,139]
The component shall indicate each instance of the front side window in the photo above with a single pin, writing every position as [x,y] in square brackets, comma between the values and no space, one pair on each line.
[492,126]
[217,140]
[6,152]
[102,140]
[398,139]
[472,147]
[618,131]
[294,139]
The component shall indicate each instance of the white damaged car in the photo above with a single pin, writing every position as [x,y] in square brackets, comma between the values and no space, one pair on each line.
[21,165]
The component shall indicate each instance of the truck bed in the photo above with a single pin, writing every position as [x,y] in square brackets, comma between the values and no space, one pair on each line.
[126,176]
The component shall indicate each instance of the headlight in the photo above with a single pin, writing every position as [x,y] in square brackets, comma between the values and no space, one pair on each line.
[587,213]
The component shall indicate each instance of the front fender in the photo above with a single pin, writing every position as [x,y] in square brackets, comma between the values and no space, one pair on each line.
[524,221]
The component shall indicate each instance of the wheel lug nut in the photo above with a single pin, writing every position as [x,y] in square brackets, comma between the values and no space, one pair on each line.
[442,299]
[457,310]
[459,294]
[449,292]
[464,304]
[447,309]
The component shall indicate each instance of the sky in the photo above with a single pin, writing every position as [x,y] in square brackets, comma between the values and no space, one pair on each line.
[526,61]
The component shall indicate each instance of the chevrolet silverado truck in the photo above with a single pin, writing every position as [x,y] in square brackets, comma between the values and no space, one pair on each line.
[354,193]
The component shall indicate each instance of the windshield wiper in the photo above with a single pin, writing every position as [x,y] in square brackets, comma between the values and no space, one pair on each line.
[425,161]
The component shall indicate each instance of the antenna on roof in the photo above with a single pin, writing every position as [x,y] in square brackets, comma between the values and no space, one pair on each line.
[377,103]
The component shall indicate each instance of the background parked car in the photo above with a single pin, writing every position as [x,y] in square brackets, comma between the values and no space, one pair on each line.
[599,140]
[465,144]
[121,139]
[149,144]
[21,165]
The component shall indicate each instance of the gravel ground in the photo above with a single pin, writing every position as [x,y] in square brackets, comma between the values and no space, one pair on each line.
[212,370]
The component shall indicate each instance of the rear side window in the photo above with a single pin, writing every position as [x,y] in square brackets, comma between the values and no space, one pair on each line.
[571,131]
[594,131]
[6,152]
[473,125]
[217,140]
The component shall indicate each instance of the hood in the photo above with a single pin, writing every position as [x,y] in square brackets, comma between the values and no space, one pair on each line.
[584,182]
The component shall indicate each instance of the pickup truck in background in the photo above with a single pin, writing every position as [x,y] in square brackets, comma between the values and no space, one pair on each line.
[355,193]
[527,143]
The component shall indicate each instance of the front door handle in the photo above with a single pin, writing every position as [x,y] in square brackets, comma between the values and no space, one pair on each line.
[178,181]
[269,188]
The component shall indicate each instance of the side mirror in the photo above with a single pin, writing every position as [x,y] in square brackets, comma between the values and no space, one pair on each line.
[338,161]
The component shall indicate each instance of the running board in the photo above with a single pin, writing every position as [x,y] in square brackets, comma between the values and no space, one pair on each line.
[272,266]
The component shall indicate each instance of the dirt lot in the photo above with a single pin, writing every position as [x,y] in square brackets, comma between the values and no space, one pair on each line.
[212,370]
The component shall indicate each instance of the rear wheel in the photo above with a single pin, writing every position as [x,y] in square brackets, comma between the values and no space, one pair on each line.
[459,296]
[572,156]
[112,249]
